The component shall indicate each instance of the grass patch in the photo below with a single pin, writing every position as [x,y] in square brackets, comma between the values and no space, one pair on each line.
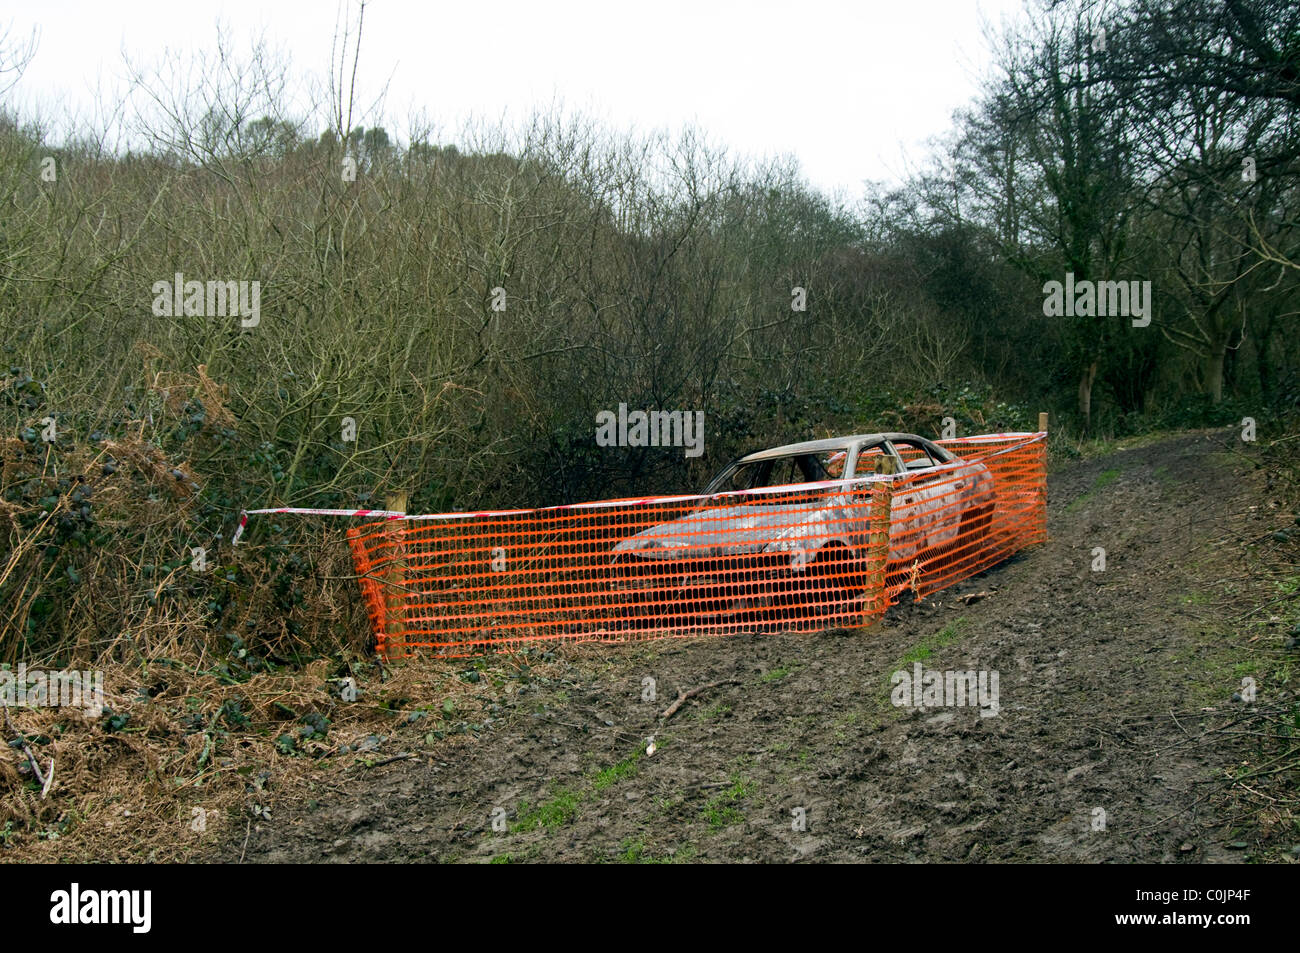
[557,811]
[1105,446]
[923,650]
[608,777]
[1104,479]
[720,810]
[634,851]
[563,806]
[949,634]
[1218,658]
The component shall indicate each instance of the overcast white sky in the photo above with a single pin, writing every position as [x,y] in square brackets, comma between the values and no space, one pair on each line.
[853,90]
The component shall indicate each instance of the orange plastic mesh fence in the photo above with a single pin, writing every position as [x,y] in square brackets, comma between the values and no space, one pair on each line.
[799,557]
[942,532]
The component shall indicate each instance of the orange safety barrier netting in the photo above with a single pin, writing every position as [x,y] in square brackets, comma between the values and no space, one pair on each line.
[797,557]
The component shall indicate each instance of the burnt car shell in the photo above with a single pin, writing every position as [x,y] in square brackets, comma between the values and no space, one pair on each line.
[736,545]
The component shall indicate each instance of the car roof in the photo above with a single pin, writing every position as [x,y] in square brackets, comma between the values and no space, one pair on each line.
[830,443]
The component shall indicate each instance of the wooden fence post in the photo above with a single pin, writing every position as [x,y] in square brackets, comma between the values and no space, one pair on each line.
[395,594]
[881,517]
[1042,422]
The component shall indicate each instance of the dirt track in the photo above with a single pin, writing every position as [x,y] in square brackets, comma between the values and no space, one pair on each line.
[1091,665]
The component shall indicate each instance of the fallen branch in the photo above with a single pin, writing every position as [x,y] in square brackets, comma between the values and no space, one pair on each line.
[49,780]
[683,697]
[31,758]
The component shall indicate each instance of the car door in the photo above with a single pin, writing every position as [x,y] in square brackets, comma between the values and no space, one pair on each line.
[934,494]
[879,458]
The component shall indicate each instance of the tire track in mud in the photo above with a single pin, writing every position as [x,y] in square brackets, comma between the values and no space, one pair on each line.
[803,733]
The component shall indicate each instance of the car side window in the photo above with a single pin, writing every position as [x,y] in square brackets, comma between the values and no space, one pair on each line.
[832,464]
[744,478]
[914,455]
[874,459]
[787,470]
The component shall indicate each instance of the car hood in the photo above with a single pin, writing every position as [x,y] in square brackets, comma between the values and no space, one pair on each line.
[729,530]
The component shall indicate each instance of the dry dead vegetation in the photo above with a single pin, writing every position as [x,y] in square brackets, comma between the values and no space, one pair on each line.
[181,760]
[209,677]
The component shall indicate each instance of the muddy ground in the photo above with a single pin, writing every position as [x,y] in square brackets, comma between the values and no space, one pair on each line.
[1115,730]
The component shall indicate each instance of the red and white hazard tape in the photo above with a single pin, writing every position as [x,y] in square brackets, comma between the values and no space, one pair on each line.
[301,511]
[989,437]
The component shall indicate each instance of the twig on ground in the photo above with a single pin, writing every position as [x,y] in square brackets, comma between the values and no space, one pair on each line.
[1244,615]
[683,697]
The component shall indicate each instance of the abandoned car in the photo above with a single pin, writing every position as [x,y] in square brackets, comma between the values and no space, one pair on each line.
[789,529]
